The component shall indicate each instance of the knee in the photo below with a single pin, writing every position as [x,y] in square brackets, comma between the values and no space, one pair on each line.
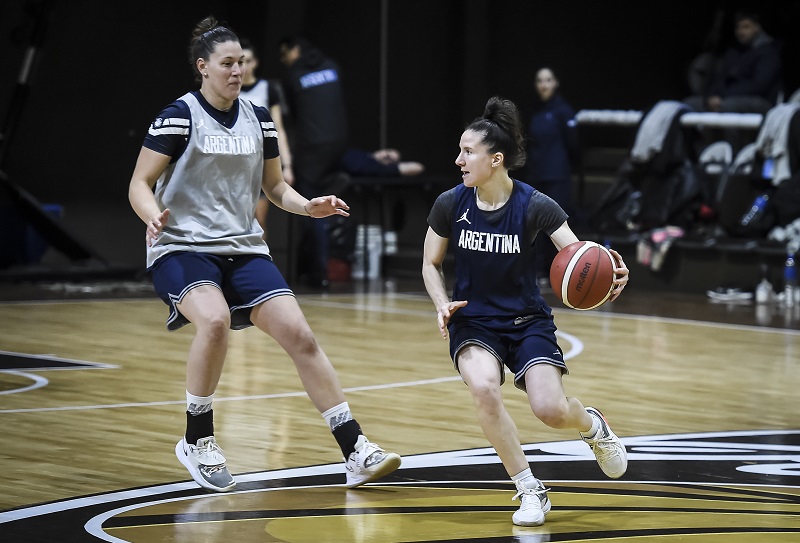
[486,396]
[304,341]
[553,414]
[215,325]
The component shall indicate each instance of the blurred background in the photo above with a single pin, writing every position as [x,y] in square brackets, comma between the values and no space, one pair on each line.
[415,71]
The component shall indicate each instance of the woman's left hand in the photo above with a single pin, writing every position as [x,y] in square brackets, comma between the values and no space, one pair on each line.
[325,206]
[620,275]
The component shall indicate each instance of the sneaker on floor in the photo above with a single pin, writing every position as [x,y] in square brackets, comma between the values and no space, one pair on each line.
[206,464]
[368,463]
[607,448]
[534,505]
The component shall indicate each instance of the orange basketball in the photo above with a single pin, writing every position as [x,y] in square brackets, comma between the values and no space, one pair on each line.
[582,274]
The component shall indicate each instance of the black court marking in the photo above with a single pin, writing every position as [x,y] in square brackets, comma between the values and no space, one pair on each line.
[710,486]
[30,362]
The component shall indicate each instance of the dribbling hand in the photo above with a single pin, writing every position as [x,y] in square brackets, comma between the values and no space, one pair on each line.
[444,313]
[620,275]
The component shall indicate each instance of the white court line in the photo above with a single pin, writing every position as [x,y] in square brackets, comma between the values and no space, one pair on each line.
[38,382]
[475,456]
[309,299]
[576,348]
[360,306]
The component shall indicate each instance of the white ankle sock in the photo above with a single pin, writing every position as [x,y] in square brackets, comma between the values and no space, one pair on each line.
[525,479]
[337,415]
[592,433]
[197,405]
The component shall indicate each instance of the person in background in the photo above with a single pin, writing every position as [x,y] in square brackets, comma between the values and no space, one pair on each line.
[497,317]
[552,148]
[208,155]
[265,94]
[380,163]
[315,99]
[748,77]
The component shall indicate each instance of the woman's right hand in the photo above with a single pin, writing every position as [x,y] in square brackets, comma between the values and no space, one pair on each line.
[444,313]
[155,225]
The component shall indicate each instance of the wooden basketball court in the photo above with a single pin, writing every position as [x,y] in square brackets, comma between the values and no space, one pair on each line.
[92,403]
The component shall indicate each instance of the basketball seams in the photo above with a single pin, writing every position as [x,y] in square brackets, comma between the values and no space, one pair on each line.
[573,261]
[581,252]
[613,265]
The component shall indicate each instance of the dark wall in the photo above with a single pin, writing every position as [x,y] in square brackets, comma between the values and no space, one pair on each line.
[106,68]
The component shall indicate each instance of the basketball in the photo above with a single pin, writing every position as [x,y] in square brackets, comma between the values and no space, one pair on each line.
[582,274]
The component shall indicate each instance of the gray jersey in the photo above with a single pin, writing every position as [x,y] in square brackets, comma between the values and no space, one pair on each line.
[211,190]
[258,93]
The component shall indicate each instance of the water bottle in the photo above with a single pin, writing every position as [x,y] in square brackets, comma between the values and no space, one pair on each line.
[756,211]
[764,292]
[789,279]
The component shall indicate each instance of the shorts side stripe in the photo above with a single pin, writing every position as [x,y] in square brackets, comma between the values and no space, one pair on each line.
[175,300]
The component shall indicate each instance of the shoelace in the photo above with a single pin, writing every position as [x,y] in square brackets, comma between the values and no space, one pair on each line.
[211,448]
[530,491]
[599,444]
[211,470]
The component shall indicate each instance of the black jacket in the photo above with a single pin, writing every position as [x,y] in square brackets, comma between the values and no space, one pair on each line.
[753,70]
[314,94]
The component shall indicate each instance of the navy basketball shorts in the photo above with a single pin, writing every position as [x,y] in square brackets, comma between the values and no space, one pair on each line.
[518,344]
[244,280]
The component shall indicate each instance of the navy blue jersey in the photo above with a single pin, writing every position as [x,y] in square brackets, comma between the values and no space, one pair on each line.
[552,141]
[169,132]
[494,257]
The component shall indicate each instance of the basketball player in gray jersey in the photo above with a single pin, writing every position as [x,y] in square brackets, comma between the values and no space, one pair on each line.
[497,317]
[208,155]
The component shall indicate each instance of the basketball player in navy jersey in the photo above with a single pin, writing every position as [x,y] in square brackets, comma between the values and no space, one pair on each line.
[209,154]
[497,316]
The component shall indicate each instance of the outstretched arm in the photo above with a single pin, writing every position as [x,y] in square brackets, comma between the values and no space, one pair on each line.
[284,196]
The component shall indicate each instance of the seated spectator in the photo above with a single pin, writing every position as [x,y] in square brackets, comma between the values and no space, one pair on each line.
[380,163]
[748,78]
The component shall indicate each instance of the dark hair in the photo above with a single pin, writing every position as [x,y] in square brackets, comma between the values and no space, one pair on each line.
[750,15]
[206,36]
[309,52]
[501,127]
[293,41]
[247,44]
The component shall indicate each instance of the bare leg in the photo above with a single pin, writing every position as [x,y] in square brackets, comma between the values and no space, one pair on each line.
[282,318]
[206,308]
[481,372]
[549,402]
